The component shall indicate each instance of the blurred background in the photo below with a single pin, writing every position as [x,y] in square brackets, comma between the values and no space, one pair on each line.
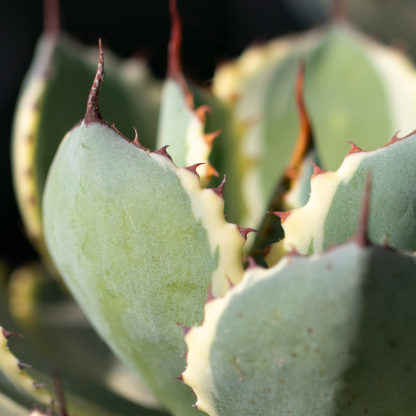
[213,31]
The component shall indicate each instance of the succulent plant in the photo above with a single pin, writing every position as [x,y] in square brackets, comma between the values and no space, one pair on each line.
[142,238]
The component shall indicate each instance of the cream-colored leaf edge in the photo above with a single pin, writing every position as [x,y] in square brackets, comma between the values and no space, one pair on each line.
[303,226]
[224,238]
[199,340]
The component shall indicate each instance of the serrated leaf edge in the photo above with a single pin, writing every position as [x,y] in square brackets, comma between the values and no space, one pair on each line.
[199,340]
[14,371]
[224,237]
[323,187]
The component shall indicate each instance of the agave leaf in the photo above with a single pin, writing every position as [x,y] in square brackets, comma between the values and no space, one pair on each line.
[260,88]
[132,276]
[330,215]
[181,124]
[49,105]
[55,327]
[83,398]
[293,186]
[341,72]
[327,335]
[57,340]
[14,371]
[139,243]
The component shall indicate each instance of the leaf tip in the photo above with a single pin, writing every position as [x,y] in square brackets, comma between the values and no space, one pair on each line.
[92,114]
[339,11]
[174,52]
[51,24]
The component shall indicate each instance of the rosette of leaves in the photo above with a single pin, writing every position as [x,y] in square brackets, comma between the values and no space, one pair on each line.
[144,248]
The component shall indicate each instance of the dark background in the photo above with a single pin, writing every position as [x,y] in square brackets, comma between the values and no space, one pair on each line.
[213,31]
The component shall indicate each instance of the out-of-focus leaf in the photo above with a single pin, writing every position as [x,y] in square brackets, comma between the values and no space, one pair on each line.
[53,99]
[63,341]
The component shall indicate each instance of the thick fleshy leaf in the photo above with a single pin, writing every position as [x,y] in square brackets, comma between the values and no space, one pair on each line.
[51,102]
[321,336]
[330,216]
[58,341]
[81,398]
[181,124]
[260,88]
[138,242]
[14,371]
[55,327]
[347,96]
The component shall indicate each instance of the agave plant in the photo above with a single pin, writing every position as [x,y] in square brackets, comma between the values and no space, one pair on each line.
[142,237]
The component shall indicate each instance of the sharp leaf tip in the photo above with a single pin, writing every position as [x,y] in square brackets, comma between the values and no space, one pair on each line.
[92,114]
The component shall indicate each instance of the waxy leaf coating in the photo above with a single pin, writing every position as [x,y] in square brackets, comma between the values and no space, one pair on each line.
[139,244]
[328,335]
